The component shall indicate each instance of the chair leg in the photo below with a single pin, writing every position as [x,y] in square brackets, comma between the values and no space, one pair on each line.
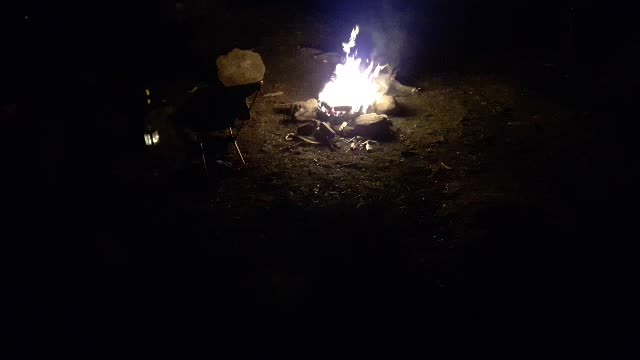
[255,97]
[204,160]
[236,144]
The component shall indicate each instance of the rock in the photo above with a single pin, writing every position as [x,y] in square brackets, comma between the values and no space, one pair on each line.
[302,111]
[370,119]
[385,104]
[240,67]
[305,110]
[374,126]
[347,132]
[311,105]
[401,89]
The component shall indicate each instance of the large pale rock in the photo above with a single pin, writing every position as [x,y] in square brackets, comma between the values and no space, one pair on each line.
[240,67]
[305,110]
[374,126]
[385,104]
[371,119]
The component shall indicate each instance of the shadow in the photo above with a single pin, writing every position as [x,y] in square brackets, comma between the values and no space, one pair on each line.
[403,110]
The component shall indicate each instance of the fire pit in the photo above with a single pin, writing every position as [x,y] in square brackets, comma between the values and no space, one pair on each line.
[348,103]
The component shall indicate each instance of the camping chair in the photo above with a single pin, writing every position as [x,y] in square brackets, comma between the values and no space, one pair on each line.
[208,112]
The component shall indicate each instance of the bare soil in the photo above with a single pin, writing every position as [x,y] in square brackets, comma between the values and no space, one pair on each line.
[458,206]
[499,205]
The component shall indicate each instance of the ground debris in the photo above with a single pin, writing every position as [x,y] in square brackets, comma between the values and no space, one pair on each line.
[303,139]
[361,144]
[408,154]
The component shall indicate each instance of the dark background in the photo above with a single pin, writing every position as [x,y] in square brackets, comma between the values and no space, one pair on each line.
[67,60]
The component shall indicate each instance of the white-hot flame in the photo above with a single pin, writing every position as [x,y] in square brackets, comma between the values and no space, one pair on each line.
[353,83]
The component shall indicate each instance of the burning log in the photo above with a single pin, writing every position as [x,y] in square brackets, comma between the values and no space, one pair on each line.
[373,126]
[336,116]
[314,132]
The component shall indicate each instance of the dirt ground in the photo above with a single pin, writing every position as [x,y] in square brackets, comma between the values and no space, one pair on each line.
[487,210]
[500,213]
[447,220]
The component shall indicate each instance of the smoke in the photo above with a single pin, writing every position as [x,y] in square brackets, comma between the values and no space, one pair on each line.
[384,28]
[389,36]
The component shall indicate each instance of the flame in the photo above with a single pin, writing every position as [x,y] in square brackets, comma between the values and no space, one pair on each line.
[353,82]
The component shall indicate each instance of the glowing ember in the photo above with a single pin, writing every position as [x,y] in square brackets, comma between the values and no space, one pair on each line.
[354,82]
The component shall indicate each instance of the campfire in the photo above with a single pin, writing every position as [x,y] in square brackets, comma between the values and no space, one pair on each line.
[354,86]
[351,107]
